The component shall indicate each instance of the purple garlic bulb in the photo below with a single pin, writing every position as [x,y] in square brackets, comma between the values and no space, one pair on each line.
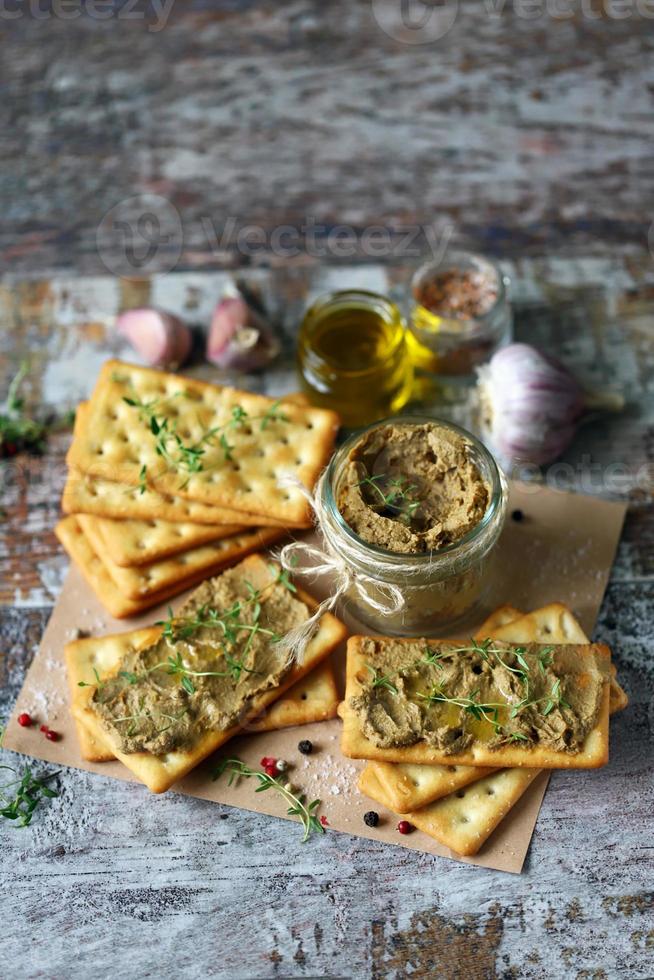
[531,405]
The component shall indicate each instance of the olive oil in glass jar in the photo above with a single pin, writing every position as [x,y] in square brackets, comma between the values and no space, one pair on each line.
[352,356]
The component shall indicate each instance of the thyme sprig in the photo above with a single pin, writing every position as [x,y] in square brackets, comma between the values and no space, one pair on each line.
[381,680]
[307,812]
[28,791]
[188,457]
[395,494]
[17,429]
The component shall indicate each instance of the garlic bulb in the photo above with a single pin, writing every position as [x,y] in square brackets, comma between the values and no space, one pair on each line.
[239,337]
[161,339]
[531,405]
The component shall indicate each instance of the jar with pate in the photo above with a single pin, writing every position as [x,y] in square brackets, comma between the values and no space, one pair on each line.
[414,506]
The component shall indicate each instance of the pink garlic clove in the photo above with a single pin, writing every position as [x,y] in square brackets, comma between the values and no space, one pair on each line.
[239,338]
[162,340]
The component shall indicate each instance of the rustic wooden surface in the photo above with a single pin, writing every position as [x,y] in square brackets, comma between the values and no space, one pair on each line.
[532,138]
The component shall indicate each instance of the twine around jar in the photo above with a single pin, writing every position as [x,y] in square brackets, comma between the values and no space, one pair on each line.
[330,561]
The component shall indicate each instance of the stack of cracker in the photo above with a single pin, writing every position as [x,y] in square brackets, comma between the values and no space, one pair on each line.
[172,479]
[143,526]
[461,805]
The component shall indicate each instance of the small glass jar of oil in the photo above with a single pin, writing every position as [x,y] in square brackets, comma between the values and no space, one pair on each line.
[352,356]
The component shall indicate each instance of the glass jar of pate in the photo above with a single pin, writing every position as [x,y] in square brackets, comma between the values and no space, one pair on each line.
[352,356]
[459,314]
[441,588]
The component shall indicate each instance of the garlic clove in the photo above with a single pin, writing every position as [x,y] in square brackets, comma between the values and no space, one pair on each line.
[162,340]
[239,337]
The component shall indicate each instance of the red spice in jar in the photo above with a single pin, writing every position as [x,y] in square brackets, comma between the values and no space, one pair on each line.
[462,294]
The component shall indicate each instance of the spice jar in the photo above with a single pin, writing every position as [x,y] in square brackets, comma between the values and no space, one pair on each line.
[459,314]
[439,589]
[352,356]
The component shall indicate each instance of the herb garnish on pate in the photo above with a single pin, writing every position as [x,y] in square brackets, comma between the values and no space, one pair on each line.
[211,660]
[185,457]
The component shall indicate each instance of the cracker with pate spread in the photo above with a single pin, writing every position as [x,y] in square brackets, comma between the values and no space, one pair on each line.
[481,703]
[185,687]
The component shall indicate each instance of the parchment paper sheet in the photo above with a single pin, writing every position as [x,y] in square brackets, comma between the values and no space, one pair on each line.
[562,550]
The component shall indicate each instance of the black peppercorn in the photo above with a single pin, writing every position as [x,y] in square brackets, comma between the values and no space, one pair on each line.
[517,515]
[305,746]
[371,819]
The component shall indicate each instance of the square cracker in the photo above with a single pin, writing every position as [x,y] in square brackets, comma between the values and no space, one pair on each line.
[84,494]
[408,787]
[70,534]
[116,444]
[160,772]
[555,623]
[182,569]
[355,745]
[72,538]
[314,698]
[132,543]
[464,820]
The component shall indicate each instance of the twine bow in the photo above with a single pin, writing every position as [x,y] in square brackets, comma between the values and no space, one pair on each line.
[383,597]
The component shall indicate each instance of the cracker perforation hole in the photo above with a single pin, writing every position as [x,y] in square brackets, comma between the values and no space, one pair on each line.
[460,793]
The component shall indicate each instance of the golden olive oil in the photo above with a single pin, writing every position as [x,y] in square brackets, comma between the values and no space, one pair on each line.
[353,358]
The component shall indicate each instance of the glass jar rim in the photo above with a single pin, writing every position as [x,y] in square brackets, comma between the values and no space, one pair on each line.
[427,558]
[368,300]
[450,259]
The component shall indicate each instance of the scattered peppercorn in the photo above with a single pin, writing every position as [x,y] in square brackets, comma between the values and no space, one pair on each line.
[25,720]
[52,736]
[267,760]
[43,728]
[324,821]
[517,515]
[305,746]
[371,818]
[281,765]
[405,827]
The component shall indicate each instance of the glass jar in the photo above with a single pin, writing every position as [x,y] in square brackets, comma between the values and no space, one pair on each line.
[352,356]
[443,588]
[459,314]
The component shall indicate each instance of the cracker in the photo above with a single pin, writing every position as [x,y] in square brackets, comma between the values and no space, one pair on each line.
[132,543]
[408,787]
[84,494]
[502,615]
[555,623]
[159,773]
[116,444]
[464,820]
[72,538]
[179,570]
[594,753]
[314,698]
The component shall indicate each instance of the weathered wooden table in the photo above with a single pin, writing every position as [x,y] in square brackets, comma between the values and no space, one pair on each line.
[526,137]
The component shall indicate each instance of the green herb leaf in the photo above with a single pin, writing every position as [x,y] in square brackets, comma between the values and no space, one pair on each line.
[296,804]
